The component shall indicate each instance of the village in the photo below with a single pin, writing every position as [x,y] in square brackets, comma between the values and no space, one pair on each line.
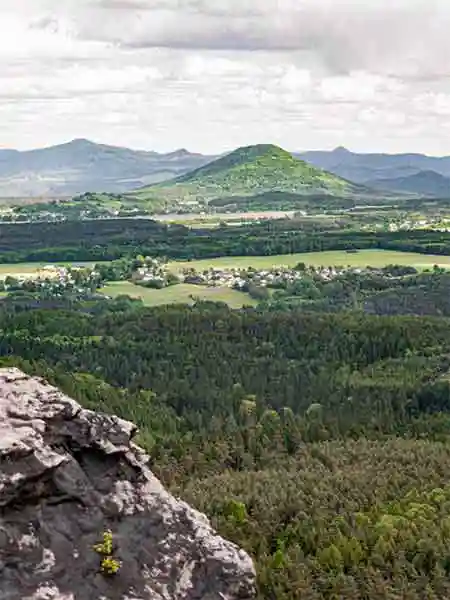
[150,272]
[155,273]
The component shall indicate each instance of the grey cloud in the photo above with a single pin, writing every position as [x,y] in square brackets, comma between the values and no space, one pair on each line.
[404,37]
[409,37]
[221,67]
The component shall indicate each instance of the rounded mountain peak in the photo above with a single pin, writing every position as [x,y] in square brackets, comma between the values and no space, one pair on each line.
[341,150]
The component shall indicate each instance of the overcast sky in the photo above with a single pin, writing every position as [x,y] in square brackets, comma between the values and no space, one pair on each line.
[210,75]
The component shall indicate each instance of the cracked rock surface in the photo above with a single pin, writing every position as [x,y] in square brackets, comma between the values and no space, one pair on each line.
[69,474]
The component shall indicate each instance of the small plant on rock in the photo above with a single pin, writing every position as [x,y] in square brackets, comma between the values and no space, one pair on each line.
[109,565]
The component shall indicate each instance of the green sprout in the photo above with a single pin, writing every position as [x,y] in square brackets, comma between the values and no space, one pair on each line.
[109,565]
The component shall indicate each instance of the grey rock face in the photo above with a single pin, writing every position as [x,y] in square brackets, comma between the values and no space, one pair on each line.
[67,475]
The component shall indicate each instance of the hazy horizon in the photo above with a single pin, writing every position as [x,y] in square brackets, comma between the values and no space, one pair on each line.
[159,74]
[217,153]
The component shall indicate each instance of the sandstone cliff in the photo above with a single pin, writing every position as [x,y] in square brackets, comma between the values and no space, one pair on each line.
[67,476]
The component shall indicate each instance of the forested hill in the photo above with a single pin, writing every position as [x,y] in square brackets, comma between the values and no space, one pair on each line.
[317,442]
[245,173]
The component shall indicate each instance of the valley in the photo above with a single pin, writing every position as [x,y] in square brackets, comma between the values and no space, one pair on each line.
[214,393]
[224,300]
[280,336]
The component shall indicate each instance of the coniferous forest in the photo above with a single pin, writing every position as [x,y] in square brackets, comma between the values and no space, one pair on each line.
[318,442]
[115,238]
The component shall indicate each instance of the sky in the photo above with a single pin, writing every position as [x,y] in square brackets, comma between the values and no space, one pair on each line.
[211,75]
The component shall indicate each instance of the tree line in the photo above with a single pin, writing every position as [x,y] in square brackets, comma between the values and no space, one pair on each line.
[111,239]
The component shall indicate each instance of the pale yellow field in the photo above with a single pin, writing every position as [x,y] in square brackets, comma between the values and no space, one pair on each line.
[32,269]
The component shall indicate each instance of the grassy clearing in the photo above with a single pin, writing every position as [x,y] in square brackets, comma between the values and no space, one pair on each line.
[28,269]
[180,293]
[363,258]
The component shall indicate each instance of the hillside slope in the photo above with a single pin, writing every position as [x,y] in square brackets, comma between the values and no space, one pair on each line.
[246,172]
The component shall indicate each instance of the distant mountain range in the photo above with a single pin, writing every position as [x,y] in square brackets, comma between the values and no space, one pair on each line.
[84,166]
[81,166]
[425,183]
[247,173]
[416,173]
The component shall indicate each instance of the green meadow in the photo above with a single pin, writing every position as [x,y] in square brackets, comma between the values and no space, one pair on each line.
[182,293]
[362,258]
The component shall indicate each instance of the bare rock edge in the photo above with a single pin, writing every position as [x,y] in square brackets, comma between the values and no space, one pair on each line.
[67,475]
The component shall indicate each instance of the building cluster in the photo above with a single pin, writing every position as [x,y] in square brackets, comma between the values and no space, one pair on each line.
[154,271]
[151,271]
[52,278]
[276,277]
[408,224]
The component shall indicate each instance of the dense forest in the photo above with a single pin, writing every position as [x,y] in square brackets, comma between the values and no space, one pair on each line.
[114,238]
[392,290]
[317,441]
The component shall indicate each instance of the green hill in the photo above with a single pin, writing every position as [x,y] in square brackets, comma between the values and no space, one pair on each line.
[245,173]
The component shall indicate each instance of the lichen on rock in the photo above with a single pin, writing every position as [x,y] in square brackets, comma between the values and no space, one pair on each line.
[66,476]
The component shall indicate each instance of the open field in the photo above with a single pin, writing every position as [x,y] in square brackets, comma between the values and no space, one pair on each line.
[362,258]
[26,200]
[28,269]
[32,269]
[180,293]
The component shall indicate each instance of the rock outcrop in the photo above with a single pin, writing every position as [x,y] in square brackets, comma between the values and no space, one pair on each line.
[67,475]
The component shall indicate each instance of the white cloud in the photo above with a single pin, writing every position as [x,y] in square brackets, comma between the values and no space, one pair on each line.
[161,74]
